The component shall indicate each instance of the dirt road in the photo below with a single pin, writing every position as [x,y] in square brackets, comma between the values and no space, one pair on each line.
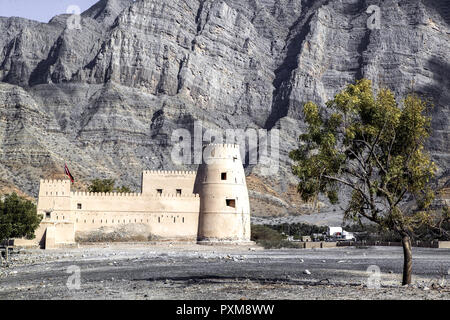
[149,271]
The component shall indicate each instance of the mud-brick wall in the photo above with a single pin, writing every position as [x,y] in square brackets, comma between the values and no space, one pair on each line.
[167,216]
[168,182]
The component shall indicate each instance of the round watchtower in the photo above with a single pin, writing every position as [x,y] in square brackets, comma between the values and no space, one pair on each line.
[224,204]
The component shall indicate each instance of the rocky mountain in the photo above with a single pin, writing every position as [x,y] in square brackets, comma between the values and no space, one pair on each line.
[105,91]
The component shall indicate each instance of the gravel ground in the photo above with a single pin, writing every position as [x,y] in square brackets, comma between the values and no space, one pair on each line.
[185,271]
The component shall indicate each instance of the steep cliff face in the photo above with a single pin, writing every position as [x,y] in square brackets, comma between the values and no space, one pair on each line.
[107,97]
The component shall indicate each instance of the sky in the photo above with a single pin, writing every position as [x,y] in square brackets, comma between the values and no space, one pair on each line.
[40,10]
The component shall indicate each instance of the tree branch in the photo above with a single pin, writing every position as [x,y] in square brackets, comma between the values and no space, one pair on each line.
[351,185]
[374,156]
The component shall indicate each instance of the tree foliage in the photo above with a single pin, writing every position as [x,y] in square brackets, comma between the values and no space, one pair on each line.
[106,185]
[262,232]
[123,189]
[298,229]
[102,185]
[374,146]
[18,218]
[270,238]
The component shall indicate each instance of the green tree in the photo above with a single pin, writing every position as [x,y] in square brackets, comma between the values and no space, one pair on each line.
[123,189]
[102,185]
[106,185]
[18,218]
[265,233]
[375,147]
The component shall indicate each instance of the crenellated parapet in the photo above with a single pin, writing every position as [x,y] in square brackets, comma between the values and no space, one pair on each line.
[171,195]
[169,172]
[168,182]
[224,145]
[221,151]
[54,187]
[106,195]
[54,182]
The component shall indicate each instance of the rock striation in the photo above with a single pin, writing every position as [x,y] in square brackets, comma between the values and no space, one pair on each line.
[106,98]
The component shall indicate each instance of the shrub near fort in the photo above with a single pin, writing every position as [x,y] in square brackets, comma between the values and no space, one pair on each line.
[18,218]
[270,238]
[373,146]
[101,185]
[261,232]
[106,185]
[299,229]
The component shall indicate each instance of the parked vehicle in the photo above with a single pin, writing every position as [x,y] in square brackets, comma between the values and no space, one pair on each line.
[348,236]
[339,234]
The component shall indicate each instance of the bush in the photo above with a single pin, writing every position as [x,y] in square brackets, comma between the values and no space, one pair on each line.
[123,189]
[99,185]
[270,238]
[264,233]
[18,218]
[106,185]
[299,229]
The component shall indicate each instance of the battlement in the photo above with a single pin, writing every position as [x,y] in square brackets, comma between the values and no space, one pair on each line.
[222,151]
[171,195]
[224,145]
[104,194]
[54,188]
[128,195]
[168,182]
[168,172]
[56,181]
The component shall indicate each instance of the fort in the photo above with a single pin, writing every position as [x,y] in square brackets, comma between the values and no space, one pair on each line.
[208,206]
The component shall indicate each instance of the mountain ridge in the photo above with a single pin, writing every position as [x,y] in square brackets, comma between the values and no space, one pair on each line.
[107,98]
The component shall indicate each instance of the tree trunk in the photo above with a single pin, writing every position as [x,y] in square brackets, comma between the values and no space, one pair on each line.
[407,259]
[7,251]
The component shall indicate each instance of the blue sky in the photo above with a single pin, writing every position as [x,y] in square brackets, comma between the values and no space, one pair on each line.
[40,10]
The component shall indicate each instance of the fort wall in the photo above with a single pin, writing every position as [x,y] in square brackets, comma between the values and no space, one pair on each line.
[54,195]
[211,204]
[168,182]
[166,215]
